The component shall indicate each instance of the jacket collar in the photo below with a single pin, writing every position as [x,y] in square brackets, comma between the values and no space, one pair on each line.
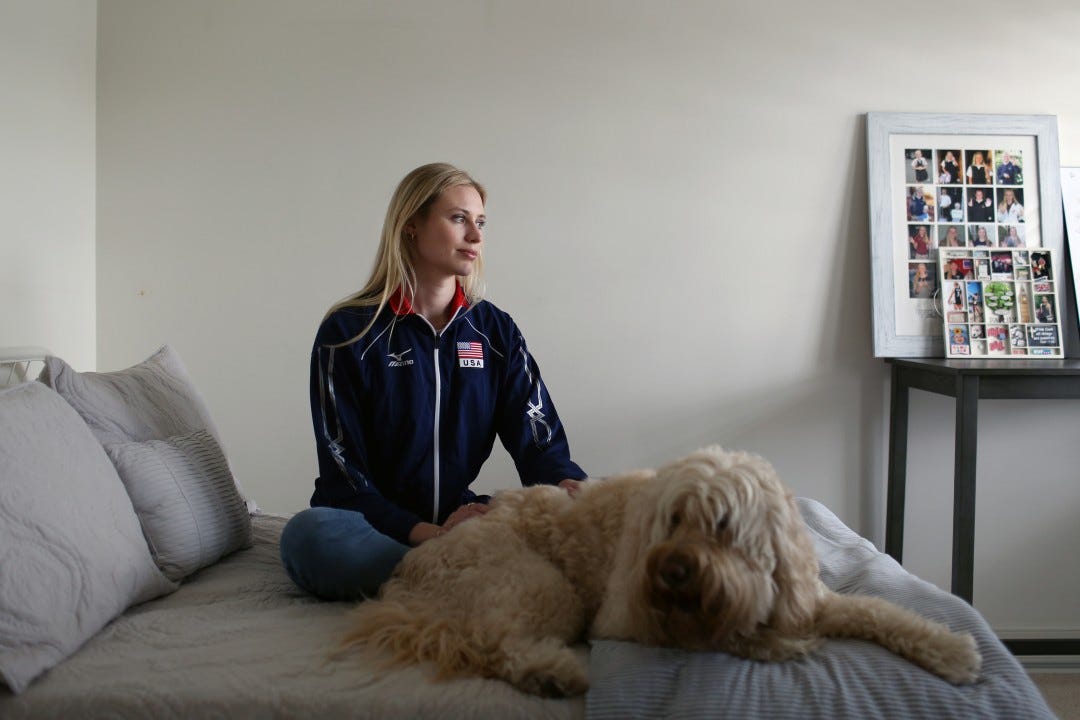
[401,305]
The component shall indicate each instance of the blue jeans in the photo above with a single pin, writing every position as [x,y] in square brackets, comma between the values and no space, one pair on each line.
[336,555]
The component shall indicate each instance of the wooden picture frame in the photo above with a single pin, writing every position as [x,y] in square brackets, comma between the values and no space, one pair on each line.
[934,180]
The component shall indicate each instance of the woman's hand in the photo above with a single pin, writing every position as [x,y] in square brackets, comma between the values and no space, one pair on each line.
[573,487]
[463,513]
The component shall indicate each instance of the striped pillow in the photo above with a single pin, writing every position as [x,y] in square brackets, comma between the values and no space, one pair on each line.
[191,512]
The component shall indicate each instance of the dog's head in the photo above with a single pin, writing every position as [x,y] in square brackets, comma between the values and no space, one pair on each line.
[726,554]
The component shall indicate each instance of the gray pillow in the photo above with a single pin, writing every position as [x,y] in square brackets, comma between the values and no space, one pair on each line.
[153,400]
[186,500]
[72,556]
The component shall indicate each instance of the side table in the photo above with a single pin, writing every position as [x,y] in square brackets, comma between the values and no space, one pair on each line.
[968,381]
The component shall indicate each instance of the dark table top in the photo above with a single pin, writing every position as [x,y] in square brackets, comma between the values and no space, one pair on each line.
[942,366]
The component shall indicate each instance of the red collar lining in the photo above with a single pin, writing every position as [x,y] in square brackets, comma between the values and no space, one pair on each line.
[401,305]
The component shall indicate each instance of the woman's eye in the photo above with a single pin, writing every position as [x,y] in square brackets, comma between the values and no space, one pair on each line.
[481,224]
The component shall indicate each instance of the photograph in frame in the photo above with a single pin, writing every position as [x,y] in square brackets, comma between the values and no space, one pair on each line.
[1014,313]
[978,182]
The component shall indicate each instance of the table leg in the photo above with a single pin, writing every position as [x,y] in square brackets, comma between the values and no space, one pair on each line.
[898,427]
[967,422]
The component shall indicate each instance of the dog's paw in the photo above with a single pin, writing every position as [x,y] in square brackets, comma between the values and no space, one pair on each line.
[547,673]
[955,657]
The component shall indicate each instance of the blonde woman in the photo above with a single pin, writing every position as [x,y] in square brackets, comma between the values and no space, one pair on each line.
[977,172]
[1009,210]
[412,378]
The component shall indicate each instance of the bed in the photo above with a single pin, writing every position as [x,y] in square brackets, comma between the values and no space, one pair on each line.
[194,634]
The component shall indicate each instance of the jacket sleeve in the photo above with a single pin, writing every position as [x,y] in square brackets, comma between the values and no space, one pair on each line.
[337,398]
[528,424]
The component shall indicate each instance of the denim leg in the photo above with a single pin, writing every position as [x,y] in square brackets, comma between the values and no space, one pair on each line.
[336,555]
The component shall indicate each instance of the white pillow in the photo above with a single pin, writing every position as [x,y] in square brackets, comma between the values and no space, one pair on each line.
[153,400]
[72,555]
[186,500]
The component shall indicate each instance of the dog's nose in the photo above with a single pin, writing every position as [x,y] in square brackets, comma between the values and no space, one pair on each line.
[674,571]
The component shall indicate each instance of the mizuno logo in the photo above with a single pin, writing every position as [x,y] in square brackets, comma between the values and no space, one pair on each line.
[398,359]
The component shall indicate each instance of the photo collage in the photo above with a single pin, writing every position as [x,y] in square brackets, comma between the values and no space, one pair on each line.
[961,198]
[1000,302]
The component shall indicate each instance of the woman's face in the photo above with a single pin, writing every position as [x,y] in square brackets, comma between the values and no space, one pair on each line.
[981,233]
[950,236]
[1010,196]
[977,159]
[448,241]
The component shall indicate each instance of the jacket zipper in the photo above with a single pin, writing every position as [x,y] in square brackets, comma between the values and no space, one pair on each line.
[438,400]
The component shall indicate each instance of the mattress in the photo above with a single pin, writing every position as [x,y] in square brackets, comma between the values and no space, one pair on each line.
[239,640]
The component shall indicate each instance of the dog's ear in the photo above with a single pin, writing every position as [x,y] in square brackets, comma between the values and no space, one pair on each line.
[796,572]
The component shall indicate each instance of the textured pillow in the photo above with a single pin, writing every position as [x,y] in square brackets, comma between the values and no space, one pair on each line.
[186,500]
[153,400]
[72,556]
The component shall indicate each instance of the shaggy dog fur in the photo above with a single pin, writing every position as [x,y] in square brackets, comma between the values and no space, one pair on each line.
[708,553]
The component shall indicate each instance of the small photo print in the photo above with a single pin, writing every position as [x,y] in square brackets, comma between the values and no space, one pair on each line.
[1040,266]
[1023,302]
[1016,336]
[1001,265]
[980,235]
[978,170]
[1000,301]
[982,269]
[977,331]
[1023,273]
[948,167]
[951,204]
[920,204]
[1022,258]
[950,236]
[1042,336]
[1018,351]
[978,347]
[1010,205]
[997,337]
[955,296]
[974,293]
[1041,351]
[1011,236]
[980,204]
[922,279]
[959,269]
[1044,309]
[1009,168]
[958,340]
[918,165]
[956,317]
[920,242]
[1043,286]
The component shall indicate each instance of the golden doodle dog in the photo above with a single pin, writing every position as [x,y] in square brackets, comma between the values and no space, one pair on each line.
[707,553]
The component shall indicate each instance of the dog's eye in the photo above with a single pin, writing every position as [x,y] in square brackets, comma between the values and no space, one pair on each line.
[721,524]
[675,520]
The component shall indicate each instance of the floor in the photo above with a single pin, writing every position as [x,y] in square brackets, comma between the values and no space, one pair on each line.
[1062,692]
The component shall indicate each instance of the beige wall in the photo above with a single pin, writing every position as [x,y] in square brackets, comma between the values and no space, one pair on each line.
[678,222]
[47,79]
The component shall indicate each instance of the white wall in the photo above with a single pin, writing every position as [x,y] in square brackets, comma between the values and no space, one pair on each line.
[678,221]
[47,82]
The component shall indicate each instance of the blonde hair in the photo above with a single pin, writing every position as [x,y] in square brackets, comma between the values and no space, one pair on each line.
[393,268]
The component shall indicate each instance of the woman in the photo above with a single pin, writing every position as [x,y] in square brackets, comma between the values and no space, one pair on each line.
[920,243]
[980,238]
[1009,210]
[950,167]
[411,380]
[952,238]
[976,172]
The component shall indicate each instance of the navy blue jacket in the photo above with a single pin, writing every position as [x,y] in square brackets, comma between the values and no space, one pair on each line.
[405,417]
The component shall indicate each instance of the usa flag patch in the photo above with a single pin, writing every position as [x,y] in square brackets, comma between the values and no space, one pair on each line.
[470,354]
